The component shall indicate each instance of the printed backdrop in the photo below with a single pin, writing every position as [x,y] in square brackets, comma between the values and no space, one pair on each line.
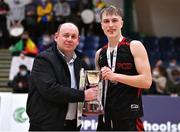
[162,113]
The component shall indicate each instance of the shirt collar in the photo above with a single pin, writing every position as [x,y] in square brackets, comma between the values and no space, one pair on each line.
[66,58]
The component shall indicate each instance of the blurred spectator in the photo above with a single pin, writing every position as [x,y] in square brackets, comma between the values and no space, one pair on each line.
[17,61]
[44,16]
[16,19]
[31,19]
[160,78]
[20,81]
[172,66]
[86,4]
[175,87]
[4,34]
[17,14]
[45,42]
[62,11]
[24,46]
[74,4]
[159,63]
[99,5]
[174,74]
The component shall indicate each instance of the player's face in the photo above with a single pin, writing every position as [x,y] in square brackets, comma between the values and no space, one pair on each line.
[111,25]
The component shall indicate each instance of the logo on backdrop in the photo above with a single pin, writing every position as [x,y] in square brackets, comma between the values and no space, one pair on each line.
[163,126]
[19,115]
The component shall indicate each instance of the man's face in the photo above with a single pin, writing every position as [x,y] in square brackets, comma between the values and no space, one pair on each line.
[67,38]
[111,25]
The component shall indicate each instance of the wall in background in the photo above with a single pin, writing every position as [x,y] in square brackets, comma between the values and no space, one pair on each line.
[159,18]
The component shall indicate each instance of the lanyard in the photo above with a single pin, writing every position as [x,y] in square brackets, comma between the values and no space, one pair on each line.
[112,66]
[108,53]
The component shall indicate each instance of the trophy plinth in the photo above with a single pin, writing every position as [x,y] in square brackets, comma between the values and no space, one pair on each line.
[93,78]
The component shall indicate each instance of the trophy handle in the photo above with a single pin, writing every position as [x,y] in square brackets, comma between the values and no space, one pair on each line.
[82,79]
[81,104]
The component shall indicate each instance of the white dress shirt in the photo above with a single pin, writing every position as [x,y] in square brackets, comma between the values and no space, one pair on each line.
[72,107]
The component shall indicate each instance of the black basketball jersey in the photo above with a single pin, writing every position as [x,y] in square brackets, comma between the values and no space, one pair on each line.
[121,99]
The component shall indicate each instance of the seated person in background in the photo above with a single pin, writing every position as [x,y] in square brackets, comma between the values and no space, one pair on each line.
[175,76]
[62,11]
[30,21]
[20,81]
[173,66]
[175,86]
[24,46]
[44,13]
[17,14]
[45,42]
[160,78]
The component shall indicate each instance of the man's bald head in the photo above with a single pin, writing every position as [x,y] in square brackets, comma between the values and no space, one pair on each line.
[68,25]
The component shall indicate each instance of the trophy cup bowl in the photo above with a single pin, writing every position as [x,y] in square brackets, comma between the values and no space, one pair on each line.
[93,78]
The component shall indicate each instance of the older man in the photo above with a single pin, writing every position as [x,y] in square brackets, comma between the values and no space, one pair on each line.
[53,91]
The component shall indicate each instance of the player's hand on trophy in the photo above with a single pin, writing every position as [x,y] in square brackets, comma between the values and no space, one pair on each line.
[106,73]
[91,93]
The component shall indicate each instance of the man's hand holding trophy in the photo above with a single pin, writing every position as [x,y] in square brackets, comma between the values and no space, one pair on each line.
[91,93]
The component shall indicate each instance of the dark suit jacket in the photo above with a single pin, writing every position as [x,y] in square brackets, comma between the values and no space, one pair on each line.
[50,90]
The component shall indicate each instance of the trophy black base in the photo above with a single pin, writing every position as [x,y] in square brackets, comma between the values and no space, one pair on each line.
[87,113]
[92,109]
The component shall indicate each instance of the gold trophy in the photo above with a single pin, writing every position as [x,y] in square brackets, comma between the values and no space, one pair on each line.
[93,78]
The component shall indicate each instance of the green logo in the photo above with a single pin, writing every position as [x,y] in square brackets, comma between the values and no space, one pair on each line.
[18,115]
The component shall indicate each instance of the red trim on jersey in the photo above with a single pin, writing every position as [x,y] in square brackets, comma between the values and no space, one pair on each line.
[139,125]
[124,41]
[139,92]
[104,47]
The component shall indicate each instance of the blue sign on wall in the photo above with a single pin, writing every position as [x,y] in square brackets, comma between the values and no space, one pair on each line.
[161,113]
